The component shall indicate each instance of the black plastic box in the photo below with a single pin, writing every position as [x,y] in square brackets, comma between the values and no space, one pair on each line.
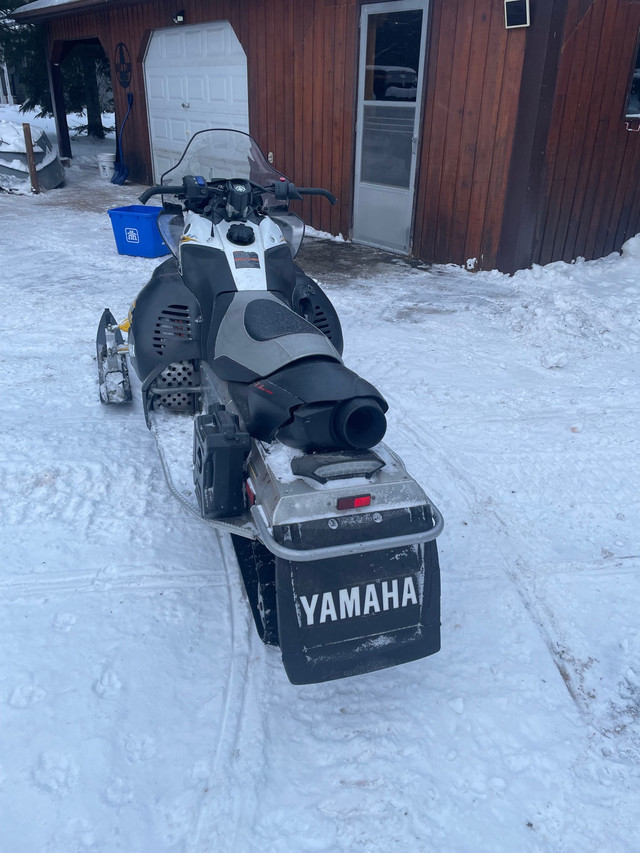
[220,449]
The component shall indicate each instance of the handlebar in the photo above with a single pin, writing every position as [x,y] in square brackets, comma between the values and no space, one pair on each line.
[288,191]
[166,190]
[317,191]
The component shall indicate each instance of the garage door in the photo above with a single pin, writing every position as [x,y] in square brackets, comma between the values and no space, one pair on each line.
[195,78]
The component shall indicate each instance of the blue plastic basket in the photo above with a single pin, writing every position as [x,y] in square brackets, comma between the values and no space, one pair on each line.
[136,231]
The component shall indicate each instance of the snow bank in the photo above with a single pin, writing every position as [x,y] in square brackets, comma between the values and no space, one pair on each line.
[582,304]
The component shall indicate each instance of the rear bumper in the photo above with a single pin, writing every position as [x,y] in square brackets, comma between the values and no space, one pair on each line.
[331,551]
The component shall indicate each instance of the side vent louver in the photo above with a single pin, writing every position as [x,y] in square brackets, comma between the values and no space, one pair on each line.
[174,323]
[320,321]
[315,314]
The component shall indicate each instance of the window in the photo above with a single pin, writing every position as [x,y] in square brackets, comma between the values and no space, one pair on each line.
[393,56]
[516,13]
[633,101]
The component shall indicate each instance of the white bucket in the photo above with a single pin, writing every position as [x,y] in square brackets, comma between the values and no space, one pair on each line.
[106,164]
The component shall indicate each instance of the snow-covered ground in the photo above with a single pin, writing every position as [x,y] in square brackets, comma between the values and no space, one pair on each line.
[140,713]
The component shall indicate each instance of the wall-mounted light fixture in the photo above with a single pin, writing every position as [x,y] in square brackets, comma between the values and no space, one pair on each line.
[516,14]
[178,18]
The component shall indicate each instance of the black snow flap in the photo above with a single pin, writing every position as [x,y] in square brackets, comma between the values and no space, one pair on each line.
[359,613]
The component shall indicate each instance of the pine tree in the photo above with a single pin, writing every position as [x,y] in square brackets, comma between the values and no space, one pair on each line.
[85,71]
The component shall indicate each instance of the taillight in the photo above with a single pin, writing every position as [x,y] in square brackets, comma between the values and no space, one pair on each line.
[354,502]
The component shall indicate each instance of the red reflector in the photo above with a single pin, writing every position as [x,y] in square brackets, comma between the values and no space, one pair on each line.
[353,503]
[250,494]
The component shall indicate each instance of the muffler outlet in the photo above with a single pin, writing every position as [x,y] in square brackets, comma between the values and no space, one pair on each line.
[314,405]
[359,424]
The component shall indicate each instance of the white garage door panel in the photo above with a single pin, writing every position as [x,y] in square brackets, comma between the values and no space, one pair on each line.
[216,42]
[160,129]
[178,128]
[171,46]
[196,90]
[155,88]
[196,126]
[239,94]
[175,88]
[195,78]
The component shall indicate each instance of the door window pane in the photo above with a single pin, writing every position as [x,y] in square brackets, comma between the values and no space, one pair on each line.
[387,137]
[633,101]
[393,56]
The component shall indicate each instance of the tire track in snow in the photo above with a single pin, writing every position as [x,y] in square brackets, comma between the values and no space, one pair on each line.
[606,701]
[518,569]
[218,820]
[619,566]
[89,502]
[47,586]
[230,684]
[469,490]
[237,682]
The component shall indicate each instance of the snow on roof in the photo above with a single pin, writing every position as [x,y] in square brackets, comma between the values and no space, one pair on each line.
[41,5]
[40,9]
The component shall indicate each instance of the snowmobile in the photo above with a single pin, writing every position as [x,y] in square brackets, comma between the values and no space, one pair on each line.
[335,541]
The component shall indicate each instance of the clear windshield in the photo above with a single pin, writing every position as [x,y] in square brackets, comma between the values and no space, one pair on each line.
[171,225]
[222,154]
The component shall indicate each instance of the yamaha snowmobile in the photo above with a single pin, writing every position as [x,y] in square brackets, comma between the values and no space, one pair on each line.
[336,543]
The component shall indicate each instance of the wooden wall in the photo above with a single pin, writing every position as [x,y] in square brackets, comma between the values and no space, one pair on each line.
[302,69]
[473,81]
[301,74]
[591,203]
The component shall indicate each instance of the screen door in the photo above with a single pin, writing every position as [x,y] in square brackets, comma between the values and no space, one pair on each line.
[392,59]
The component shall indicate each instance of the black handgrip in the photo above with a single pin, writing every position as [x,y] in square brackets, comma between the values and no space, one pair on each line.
[166,190]
[317,191]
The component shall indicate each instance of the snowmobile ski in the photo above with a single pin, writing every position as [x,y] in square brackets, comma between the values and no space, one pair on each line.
[113,372]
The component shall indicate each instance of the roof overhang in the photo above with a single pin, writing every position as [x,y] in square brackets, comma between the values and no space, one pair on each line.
[41,10]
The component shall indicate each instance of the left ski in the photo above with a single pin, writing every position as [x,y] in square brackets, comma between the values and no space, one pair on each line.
[113,373]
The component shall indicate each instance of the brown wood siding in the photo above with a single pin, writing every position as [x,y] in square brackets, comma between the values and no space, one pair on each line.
[302,69]
[590,206]
[301,75]
[302,59]
[473,81]
[537,90]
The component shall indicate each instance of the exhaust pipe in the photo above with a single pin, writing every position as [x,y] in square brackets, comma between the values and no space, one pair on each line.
[313,406]
[359,424]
